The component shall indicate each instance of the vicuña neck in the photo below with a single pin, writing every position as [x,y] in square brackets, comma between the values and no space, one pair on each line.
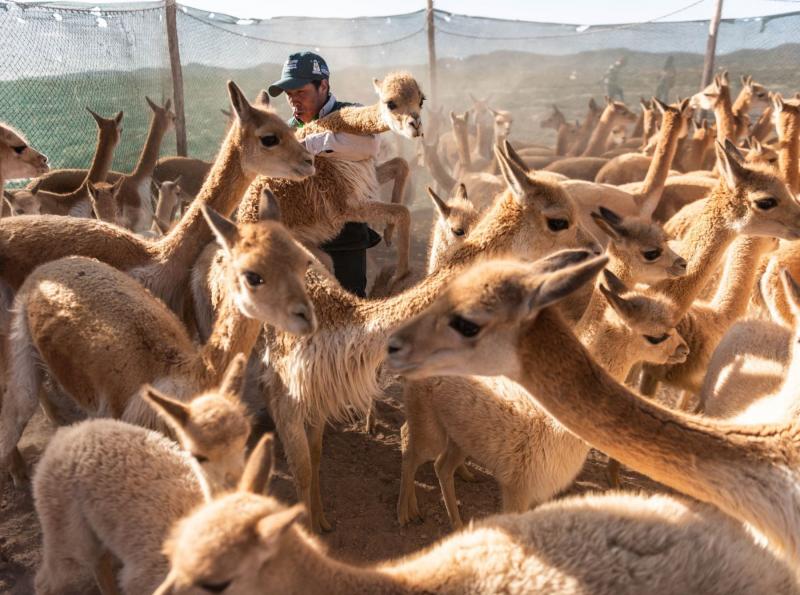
[354,120]
[597,142]
[222,191]
[462,147]
[789,134]
[657,172]
[741,269]
[438,171]
[152,145]
[723,112]
[585,132]
[562,139]
[103,157]
[742,470]
[233,333]
[709,238]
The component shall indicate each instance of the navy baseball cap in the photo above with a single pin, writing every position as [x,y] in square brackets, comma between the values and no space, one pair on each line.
[299,70]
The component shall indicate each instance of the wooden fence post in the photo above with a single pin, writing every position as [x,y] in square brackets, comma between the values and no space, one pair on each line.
[432,53]
[177,76]
[711,46]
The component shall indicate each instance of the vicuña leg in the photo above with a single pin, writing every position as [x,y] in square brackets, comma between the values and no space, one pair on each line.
[21,398]
[407,506]
[395,169]
[445,466]
[315,433]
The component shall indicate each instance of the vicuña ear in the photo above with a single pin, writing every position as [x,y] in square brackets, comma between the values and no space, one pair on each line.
[514,156]
[168,586]
[174,412]
[268,207]
[152,105]
[662,107]
[792,290]
[224,229]
[561,259]
[622,306]
[377,84]
[441,205]
[515,177]
[777,102]
[559,284]
[8,198]
[273,527]
[262,98]
[35,188]
[234,378]
[97,117]
[461,192]
[239,103]
[614,283]
[258,469]
[731,168]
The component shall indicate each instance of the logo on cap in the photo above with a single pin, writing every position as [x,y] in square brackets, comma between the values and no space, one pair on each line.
[291,65]
[316,69]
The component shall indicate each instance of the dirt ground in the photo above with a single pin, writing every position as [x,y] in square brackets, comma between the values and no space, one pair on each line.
[360,478]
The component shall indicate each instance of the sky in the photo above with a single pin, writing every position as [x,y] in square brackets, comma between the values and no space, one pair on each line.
[584,12]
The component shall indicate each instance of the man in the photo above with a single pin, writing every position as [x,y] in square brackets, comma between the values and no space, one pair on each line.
[305,80]
[611,79]
[667,80]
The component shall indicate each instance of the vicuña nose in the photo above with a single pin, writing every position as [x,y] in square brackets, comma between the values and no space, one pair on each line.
[681,263]
[396,345]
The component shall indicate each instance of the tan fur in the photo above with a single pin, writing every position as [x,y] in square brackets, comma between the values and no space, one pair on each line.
[333,373]
[104,200]
[585,545]
[163,266]
[749,472]
[77,201]
[192,172]
[587,127]
[135,200]
[494,421]
[106,487]
[717,97]
[751,95]
[101,335]
[17,158]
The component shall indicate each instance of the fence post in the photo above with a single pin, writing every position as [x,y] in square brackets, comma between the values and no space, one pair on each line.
[177,76]
[432,53]
[711,45]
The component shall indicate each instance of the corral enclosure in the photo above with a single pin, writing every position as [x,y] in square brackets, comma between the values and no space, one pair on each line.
[110,56]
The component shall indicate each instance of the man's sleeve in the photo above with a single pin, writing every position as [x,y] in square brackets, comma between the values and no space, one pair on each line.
[343,145]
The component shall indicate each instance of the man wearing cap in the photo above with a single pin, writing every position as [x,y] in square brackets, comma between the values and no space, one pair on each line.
[305,81]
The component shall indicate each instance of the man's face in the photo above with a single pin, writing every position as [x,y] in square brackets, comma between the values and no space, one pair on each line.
[307,101]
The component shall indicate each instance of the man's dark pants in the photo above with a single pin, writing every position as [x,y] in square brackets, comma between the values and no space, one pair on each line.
[348,251]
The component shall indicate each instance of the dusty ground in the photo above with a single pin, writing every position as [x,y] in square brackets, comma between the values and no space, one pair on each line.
[360,483]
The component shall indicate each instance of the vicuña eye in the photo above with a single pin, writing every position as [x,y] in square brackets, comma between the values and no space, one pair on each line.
[19,150]
[557,224]
[270,140]
[391,105]
[200,458]
[215,587]
[253,279]
[656,340]
[458,231]
[464,327]
[652,254]
[765,204]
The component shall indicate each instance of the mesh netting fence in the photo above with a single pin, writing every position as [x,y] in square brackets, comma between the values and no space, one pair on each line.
[58,58]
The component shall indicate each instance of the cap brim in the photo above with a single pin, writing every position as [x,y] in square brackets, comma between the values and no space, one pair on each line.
[290,84]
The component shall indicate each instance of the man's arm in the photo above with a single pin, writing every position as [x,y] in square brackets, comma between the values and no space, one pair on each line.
[342,145]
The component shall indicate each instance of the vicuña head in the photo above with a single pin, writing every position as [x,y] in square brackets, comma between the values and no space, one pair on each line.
[104,199]
[554,120]
[266,141]
[400,100]
[237,540]
[213,426]
[477,318]
[110,128]
[707,98]
[17,158]
[267,266]
[761,200]
[653,317]
[642,244]
[550,219]
[22,203]
[164,116]
[457,216]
